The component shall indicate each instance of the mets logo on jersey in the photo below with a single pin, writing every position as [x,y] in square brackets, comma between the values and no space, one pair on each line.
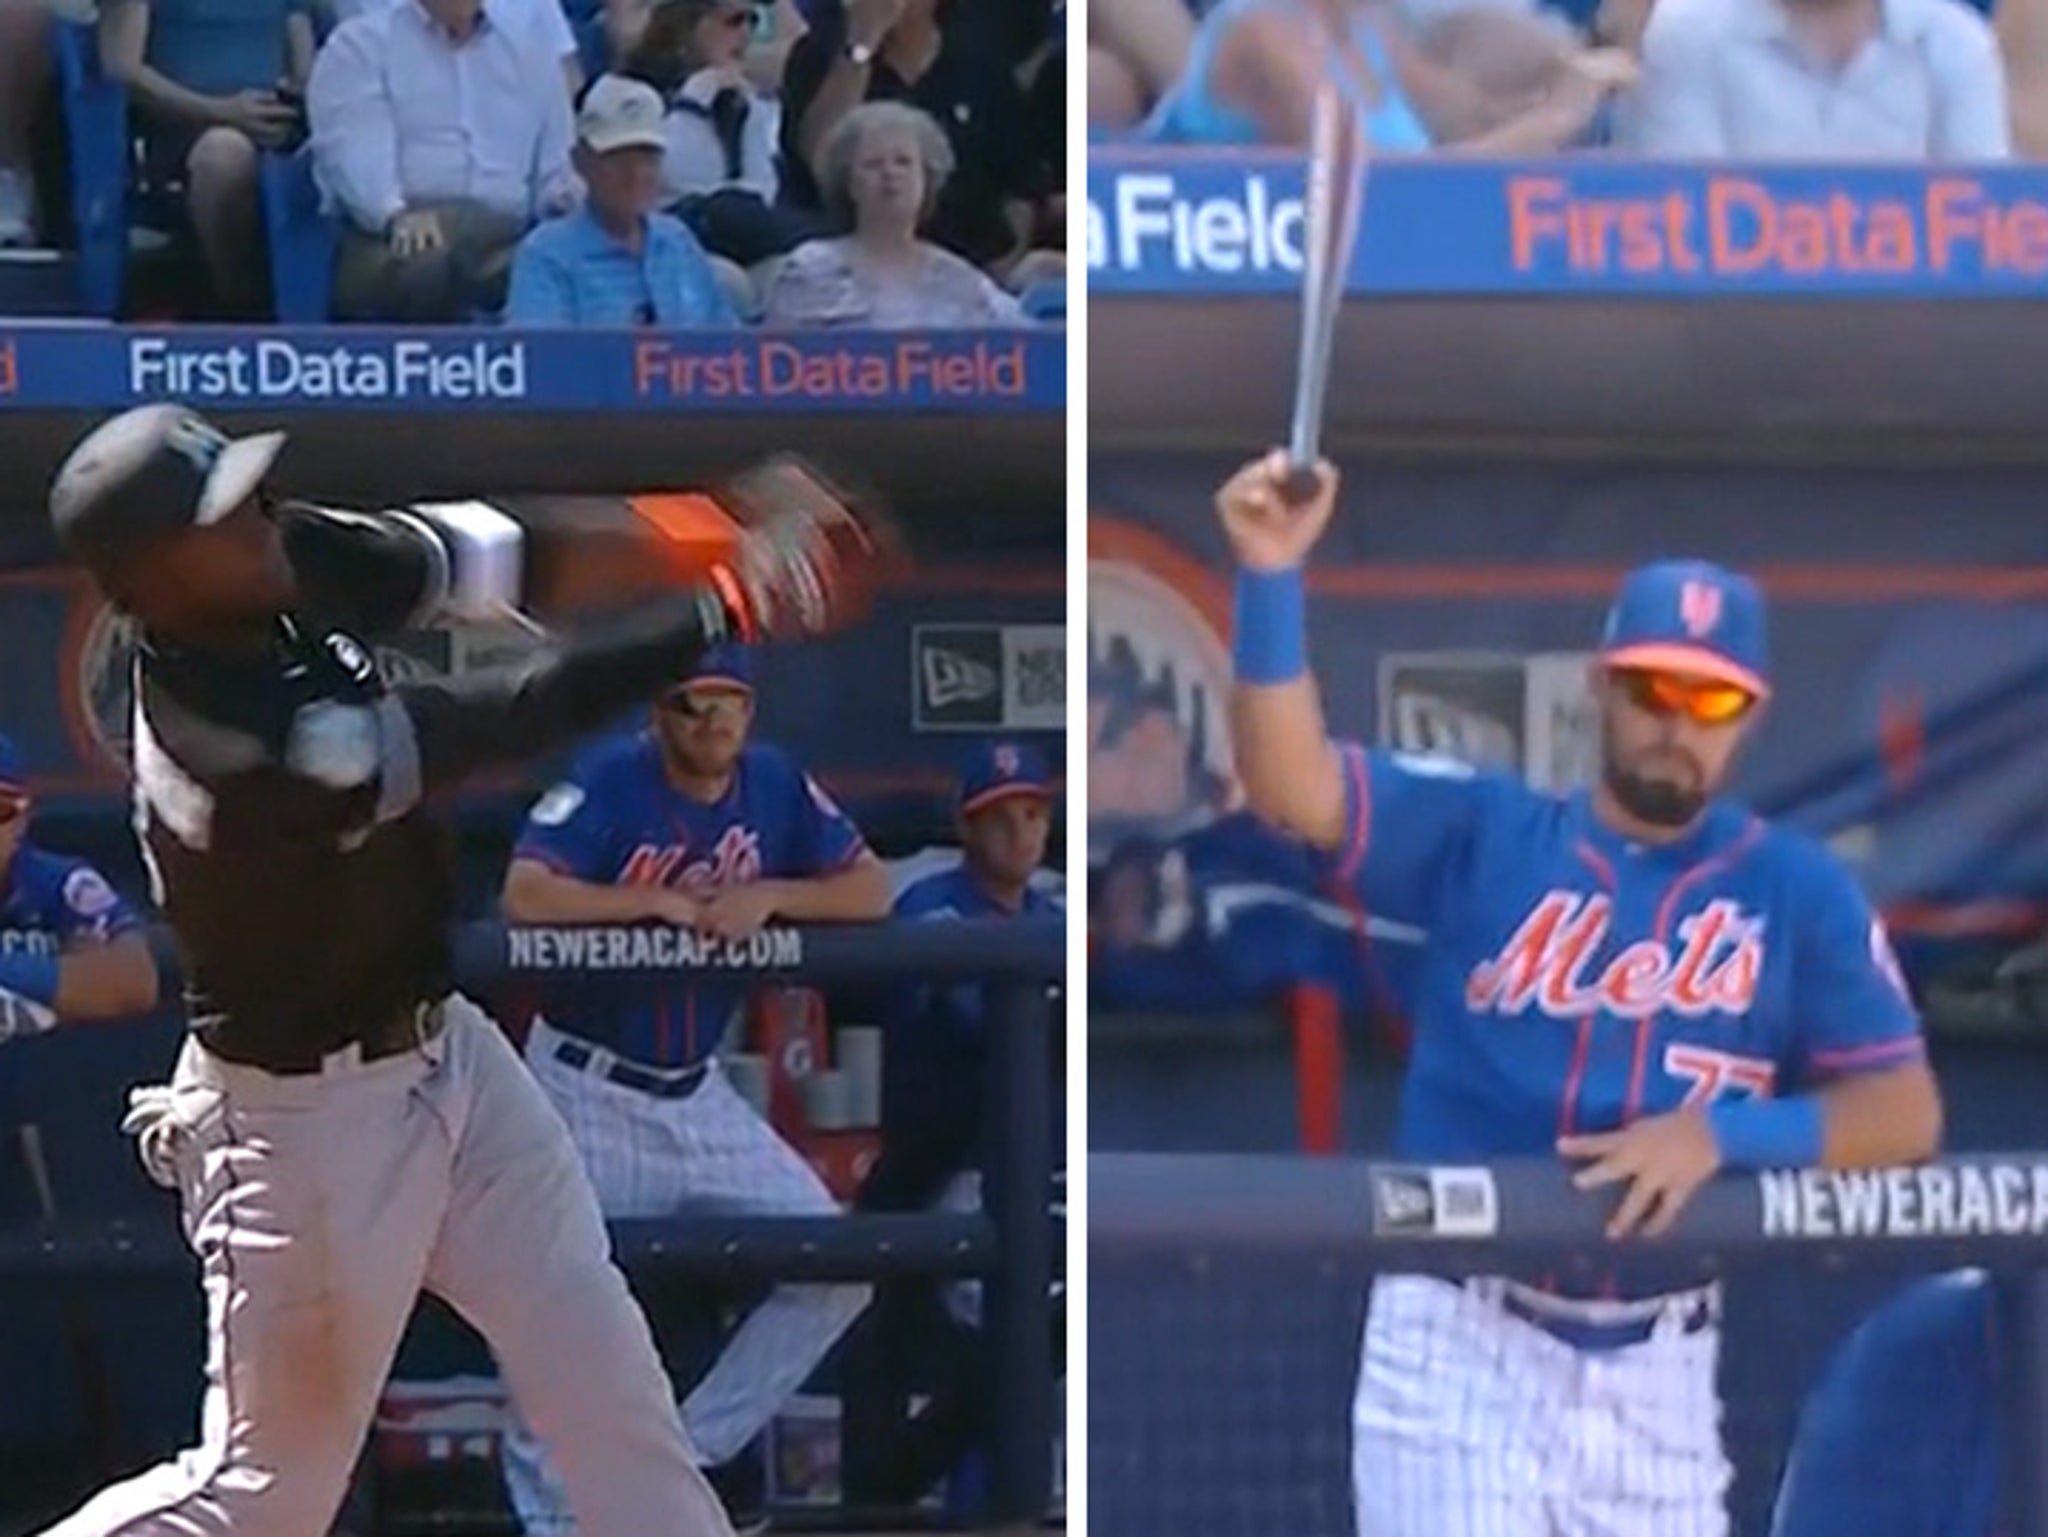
[735,860]
[1547,964]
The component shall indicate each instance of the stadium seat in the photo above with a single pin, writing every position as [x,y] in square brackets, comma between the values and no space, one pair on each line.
[302,240]
[1046,301]
[593,47]
[96,121]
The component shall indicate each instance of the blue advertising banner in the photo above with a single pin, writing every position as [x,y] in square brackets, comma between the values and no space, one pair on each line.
[70,366]
[1231,223]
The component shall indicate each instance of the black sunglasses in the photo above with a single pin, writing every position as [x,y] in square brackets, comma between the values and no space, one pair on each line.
[703,702]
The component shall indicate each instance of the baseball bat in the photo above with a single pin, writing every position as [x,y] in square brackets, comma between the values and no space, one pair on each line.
[95,1386]
[1334,191]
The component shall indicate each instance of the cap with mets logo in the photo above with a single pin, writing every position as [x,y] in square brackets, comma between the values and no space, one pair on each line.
[1689,616]
[994,771]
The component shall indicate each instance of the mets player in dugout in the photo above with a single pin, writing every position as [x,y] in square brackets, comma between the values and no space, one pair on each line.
[1640,977]
[343,1128]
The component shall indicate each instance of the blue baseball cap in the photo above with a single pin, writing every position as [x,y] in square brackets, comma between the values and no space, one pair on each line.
[730,668]
[13,772]
[1689,616]
[995,771]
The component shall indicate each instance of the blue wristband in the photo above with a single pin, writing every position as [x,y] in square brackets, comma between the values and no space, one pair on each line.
[33,977]
[1769,1133]
[1271,643]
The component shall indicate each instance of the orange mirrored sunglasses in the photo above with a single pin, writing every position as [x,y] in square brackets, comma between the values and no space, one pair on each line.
[1704,701]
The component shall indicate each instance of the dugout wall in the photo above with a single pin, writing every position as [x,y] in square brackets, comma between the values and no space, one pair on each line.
[1881,464]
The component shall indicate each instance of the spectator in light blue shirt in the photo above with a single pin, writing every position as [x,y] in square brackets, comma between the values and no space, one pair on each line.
[614,261]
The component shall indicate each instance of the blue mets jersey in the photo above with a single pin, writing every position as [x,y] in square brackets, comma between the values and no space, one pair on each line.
[1573,981]
[50,903]
[617,821]
[1231,915]
[954,894]
[933,1063]
[1902,1437]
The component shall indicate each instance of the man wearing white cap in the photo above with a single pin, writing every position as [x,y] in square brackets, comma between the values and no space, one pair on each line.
[614,261]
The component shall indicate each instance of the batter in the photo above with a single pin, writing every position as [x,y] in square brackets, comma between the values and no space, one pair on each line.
[1640,977]
[343,1128]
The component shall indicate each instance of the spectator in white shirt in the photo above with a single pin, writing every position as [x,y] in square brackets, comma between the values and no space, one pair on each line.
[881,169]
[442,135]
[1903,80]
[547,18]
[719,174]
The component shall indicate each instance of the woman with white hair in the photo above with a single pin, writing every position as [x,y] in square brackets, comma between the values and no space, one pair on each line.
[881,170]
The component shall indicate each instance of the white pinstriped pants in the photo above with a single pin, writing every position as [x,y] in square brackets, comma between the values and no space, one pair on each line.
[320,1206]
[1470,1422]
[710,1152]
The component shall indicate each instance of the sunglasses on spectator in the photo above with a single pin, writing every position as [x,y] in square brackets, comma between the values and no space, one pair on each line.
[1704,701]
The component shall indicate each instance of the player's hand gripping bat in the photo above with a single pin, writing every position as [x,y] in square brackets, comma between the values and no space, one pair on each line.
[802,553]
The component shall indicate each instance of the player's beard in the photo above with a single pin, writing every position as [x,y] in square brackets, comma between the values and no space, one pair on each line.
[1657,802]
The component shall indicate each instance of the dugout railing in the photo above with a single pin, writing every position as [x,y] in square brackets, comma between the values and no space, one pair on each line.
[1227,1292]
[1012,1245]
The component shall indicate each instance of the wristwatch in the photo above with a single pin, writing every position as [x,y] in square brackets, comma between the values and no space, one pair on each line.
[862,54]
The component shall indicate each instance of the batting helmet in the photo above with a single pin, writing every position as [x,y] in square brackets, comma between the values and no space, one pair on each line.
[148,473]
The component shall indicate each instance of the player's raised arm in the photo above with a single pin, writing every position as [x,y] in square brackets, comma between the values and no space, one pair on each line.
[799,567]
[1284,756]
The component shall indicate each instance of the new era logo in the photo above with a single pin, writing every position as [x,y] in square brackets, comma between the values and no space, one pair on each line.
[1405,1202]
[1435,1202]
[950,679]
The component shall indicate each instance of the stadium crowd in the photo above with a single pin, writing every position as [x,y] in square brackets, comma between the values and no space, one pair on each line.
[1815,80]
[562,162]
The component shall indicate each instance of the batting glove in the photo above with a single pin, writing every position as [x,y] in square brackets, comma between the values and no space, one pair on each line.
[807,561]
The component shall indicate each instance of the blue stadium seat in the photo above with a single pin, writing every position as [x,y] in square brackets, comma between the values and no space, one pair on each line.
[592,46]
[1046,301]
[96,120]
[302,239]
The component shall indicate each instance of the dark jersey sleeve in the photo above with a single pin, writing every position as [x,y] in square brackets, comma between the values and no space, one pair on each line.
[373,573]
[512,714]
